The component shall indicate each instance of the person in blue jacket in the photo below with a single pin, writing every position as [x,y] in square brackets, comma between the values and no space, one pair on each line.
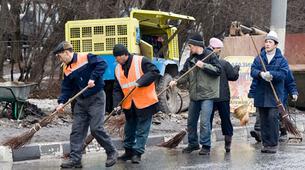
[81,70]
[264,99]
[290,89]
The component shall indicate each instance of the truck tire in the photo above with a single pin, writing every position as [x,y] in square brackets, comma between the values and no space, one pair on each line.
[169,101]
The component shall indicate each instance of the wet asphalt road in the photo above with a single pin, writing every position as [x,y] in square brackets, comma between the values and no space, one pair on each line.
[244,155]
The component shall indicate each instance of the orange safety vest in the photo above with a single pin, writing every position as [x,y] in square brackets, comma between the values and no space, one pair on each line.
[82,59]
[141,96]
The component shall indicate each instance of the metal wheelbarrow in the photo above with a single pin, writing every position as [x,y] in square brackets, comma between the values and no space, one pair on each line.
[16,94]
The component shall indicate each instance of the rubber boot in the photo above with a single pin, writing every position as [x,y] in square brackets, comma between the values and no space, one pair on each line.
[228,141]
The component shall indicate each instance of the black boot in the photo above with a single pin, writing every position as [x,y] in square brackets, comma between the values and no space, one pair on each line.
[136,158]
[111,158]
[71,164]
[256,135]
[190,149]
[126,156]
[228,141]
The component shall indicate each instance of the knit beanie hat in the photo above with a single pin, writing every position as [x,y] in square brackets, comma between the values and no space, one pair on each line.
[119,49]
[216,43]
[196,40]
[272,36]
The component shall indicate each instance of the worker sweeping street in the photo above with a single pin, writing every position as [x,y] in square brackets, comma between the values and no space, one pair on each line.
[222,104]
[81,70]
[203,88]
[290,89]
[135,74]
[269,70]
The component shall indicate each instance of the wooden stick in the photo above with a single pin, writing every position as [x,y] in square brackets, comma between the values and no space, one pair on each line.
[186,73]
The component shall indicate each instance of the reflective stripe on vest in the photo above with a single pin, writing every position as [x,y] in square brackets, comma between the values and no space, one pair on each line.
[143,96]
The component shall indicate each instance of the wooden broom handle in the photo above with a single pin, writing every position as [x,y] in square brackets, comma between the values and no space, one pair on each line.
[183,75]
[125,97]
[264,68]
[71,99]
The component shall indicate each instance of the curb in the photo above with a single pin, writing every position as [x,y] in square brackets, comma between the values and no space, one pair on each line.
[58,149]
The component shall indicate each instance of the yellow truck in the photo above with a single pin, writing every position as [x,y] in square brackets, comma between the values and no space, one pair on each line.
[153,34]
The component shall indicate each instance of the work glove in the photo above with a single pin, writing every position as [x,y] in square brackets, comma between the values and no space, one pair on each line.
[266,76]
[294,98]
[117,110]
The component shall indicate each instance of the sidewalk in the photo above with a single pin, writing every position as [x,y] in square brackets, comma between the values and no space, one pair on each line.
[58,149]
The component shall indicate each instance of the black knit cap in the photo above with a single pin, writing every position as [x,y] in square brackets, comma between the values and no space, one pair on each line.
[196,40]
[119,49]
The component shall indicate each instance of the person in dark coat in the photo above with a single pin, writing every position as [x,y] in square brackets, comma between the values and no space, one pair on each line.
[290,89]
[83,70]
[277,70]
[203,88]
[222,104]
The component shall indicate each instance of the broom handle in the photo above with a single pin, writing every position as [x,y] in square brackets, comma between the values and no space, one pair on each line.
[71,99]
[125,97]
[89,138]
[264,68]
[183,75]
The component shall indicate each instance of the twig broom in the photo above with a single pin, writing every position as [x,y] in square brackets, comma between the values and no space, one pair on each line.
[284,114]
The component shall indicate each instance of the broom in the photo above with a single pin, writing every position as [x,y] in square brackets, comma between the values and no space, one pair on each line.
[22,139]
[284,114]
[90,137]
[173,142]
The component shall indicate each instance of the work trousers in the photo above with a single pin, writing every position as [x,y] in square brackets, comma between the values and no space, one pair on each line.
[89,111]
[269,121]
[223,108]
[137,126]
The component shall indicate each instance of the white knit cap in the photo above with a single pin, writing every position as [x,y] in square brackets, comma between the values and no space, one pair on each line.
[272,35]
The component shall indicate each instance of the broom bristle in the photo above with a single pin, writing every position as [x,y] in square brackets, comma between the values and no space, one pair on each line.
[174,142]
[18,141]
[290,127]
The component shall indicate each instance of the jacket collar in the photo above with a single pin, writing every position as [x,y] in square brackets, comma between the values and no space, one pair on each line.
[278,54]
[74,59]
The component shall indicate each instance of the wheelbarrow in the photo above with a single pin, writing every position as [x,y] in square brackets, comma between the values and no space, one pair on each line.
[16,94]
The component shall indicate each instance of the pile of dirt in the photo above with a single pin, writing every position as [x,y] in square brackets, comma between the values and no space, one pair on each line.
[46,90]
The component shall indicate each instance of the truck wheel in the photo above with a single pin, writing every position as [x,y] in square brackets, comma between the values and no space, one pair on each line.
[169,100]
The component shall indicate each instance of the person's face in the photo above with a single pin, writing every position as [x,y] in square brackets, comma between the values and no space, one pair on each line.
[64,57]
[121,59]
[192,48]
[217,50]
[270,45]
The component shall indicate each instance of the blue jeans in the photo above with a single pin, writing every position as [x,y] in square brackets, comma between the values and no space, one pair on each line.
[202,108]
[137,127]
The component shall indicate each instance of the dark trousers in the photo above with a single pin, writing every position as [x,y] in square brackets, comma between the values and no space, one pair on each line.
[89,111]
[137,127]
[224,113]
[269,121]
[257,126]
